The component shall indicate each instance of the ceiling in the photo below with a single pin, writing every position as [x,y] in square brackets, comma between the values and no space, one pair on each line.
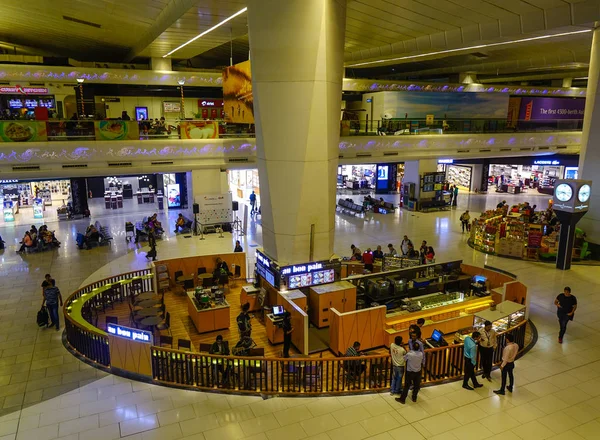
[378,32]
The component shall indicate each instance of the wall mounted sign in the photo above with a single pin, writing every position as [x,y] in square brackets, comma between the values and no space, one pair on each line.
[266,269]
[131,334]
[210,103]
[445,161]
[546,162]
[19,90]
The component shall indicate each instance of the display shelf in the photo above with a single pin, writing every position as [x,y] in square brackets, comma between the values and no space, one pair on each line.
[507,314]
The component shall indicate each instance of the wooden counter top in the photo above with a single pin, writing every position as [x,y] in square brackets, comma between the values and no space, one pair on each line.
[332,287]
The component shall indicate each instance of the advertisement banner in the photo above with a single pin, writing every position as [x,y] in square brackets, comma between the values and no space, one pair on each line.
[514,107]
[199,130]
[23,131]
[116,130]
[237,93]
[538,109]
[173,195]
[215,208]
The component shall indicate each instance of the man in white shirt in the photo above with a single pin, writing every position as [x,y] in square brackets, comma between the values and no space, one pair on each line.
[397,353]
[487,345]
[414,364]
[509,355]
[404,245]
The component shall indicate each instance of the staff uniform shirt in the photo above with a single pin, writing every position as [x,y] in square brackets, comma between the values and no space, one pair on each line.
[421,348]
[566,304]
[471,349]
[397,352]
[488,339]
[414,361]
[367,258]
[509,354]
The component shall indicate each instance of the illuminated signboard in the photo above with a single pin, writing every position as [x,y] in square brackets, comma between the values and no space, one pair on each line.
[546,162]
[210,103]
[131,334]
[446,161]
[265,268]
[309,274]
[18,90]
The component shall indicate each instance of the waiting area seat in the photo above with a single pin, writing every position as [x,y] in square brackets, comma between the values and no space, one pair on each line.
[347,206]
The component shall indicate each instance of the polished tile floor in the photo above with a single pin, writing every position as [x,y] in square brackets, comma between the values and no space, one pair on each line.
[46,394]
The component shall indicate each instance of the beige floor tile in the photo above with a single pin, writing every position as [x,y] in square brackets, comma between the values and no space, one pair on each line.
[549,404]
[258,425]
[210,407]
[349,432]
[78,425]
[559,422]
[141,424]
[228,432]
[412,412]
[378,424]
[234,415]
[438,424]
[472,431]
[109,432]
[350,415]
[270,406]
[199,424]
[292,415]
[170,432]
[525,413]
[588,430]
[567,435]
[59,415]
[499,422]
[176,415]
[46,433]
[319,424]
[118,415]
[407,432]
[533,430]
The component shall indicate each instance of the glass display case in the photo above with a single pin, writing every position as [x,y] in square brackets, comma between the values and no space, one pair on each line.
[507,314]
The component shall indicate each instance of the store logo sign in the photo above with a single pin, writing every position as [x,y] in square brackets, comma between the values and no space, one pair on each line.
[301,268]
[129,333]
[19,90]
[546,162]
[445,160]
[9,181]
[262,259]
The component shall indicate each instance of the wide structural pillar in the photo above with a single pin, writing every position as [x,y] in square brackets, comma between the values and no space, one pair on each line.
[296,51]
[589,157]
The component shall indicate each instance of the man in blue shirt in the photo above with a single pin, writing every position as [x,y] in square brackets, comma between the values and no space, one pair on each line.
[414,363]
[470,349]
[52,297]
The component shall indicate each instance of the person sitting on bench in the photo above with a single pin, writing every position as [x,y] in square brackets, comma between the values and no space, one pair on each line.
[182,223]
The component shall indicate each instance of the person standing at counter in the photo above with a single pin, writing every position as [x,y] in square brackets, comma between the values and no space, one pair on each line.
[487,344]
[243,322]
[470,349]
[404,245]
[378,253]
[423,251]
[415,340]
[356,253]
[414,363]
[566,304]
[238,247]
[368,259]
[509,354]
[287,334]
[397,353]
[391,251]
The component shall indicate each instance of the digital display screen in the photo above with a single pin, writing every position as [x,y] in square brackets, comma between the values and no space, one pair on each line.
[382,172]
[31,103]
[436,335]
[277,310]
[173,195]
[48,103]
[311,279]
[15,103]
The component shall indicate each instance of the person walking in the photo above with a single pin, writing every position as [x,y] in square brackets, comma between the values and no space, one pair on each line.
[397,353]
[464,220]
[48,282]
[470,349]
[451,191]
[252,203]
[566,304]
[287,334]
[509,354]
[52,298]
[414,364]
[455,195]
[487,344]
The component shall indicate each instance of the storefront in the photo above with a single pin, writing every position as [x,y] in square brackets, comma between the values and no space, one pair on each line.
[379,178]
[21,102]
[30,201]
[459,175]
[145,193]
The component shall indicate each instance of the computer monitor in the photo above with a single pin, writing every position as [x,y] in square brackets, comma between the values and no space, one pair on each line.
[437,335]
[479,279]
[278,310]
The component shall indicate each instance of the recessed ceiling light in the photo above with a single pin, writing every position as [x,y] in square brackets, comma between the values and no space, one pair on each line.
[479,46]
[241,11]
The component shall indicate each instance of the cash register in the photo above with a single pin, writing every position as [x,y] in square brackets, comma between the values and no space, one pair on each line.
[436,340]
[479,286]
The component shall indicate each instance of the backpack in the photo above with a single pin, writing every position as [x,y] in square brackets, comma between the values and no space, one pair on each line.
[42,317]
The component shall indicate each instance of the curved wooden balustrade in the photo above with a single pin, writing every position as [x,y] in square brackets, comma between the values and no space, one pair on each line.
[292,376]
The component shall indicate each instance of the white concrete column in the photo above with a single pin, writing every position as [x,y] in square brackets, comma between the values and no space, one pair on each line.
[589,157]
[567,82]
[414,169]
[297,49]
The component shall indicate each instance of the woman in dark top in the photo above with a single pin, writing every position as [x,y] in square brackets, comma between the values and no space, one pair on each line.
[238,247]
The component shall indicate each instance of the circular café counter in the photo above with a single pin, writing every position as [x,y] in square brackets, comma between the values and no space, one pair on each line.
[138,354]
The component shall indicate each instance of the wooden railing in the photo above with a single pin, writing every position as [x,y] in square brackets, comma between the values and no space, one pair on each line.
[92,343]
[305,375]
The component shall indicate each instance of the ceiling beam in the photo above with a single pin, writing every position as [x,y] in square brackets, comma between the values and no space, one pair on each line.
[168,16]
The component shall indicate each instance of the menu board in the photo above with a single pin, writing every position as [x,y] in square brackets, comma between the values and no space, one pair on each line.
[535,239]
[15,103]
[311,279]
[171,107]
